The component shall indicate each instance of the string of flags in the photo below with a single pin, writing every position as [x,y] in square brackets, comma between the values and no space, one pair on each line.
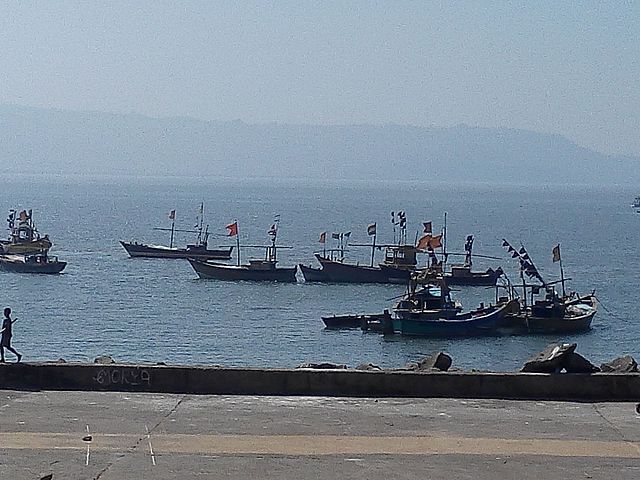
[526,264]
[344,236]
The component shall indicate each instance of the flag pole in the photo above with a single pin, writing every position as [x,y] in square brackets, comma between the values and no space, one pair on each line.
[173,224]
[238,240]
[444,242]
[561,272]
[373,245]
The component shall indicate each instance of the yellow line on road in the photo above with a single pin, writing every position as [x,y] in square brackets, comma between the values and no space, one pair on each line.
[303,445]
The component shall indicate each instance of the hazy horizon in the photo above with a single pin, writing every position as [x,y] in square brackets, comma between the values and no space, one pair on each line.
[565,69]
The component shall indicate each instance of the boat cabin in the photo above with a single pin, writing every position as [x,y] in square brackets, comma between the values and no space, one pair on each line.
[401,256]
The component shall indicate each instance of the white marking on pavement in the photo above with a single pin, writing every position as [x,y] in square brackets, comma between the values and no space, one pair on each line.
[88,445]
[153,457]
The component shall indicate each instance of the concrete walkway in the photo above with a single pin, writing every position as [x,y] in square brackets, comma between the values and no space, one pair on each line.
[139,435]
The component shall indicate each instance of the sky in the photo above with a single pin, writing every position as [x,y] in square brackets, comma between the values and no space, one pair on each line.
[568,68]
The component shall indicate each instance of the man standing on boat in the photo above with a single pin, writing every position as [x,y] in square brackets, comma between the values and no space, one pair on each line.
[5,340]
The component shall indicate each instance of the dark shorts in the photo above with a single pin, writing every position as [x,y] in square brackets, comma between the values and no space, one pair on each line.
[5,342]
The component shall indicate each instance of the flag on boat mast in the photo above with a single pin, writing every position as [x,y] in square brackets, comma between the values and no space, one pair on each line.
[172,215]
[429,242]
[427,227]
[323,237]
[233,229]
[556,253]
[371,229]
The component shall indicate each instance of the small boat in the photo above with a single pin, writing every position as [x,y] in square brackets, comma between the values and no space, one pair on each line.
[31,263]
[555,313]
[24,237]
[198,250]
[431,312]
[256,270]
[355,321]
[463,275]
[636,202]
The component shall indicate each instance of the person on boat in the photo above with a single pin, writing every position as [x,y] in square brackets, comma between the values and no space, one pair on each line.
[5,340]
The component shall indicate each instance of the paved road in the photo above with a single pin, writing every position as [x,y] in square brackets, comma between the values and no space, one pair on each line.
[160,437]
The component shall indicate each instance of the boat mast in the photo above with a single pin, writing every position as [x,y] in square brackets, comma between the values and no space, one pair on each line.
[444,242]
[373,245]
[172,216]
[238,240]
[561,272]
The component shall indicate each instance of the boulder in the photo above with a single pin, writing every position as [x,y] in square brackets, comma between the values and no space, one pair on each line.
[626,364]
[368,366]
[104,359]
[323,366]
[439,361]
[576,363]
[551,359]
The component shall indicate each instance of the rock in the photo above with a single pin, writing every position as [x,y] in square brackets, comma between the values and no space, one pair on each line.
[104,359]
[368,366]
[626,364]
[576,363]
[551,359]
[440,361]
[323,366]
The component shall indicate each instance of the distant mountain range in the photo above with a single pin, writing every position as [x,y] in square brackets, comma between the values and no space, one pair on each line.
[64,142]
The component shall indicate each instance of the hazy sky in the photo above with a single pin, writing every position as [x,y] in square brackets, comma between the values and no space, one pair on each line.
[571,68]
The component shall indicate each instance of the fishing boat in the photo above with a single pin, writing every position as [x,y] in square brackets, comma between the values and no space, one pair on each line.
[32,263]
[396,268]
[555,312]
[256,270]
[399,259]
[355,320]
[431,312]
[23,237]
[198,250]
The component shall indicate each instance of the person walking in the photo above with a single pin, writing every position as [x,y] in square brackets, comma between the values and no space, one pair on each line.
[5,340]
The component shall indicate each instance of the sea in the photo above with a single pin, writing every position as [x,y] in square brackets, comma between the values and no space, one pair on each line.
[157,310]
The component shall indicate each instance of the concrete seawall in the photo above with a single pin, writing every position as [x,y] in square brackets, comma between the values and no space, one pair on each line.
[256,381]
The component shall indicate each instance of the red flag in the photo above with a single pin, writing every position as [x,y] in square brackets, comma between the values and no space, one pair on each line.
[323,237]
[233,229]
[172,215]
[429,241]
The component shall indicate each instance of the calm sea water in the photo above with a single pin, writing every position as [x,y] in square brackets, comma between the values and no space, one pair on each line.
[156,310]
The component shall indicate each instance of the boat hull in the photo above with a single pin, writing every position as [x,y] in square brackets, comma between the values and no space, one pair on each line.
[50,268]
[208,270]
[578,320]
[473,324]
[200,253]
[339,272]
[469,278]
[354,321]
[311,274]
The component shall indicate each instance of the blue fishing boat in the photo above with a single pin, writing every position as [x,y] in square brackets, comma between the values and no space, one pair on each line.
[431,312]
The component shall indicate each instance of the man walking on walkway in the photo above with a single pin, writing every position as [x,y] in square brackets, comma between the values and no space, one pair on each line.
[5,340]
